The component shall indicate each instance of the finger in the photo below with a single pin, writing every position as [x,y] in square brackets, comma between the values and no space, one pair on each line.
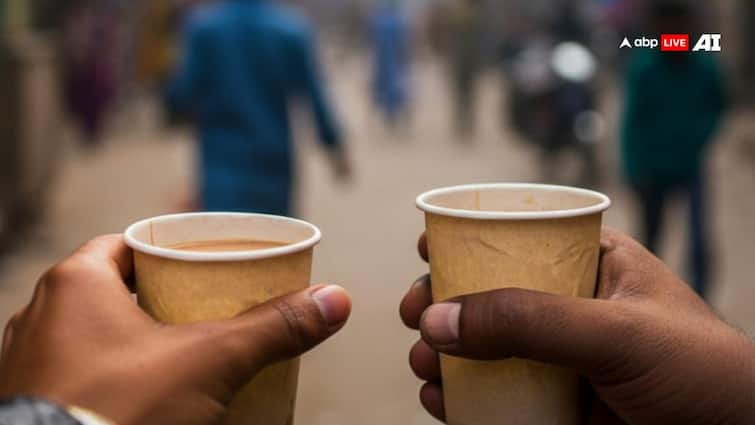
[628,269]
[431,396]
[281,329]
[422,247]
[416,301]
[425,362]
[8,335]
[103,260]
[574,332]
[112,251]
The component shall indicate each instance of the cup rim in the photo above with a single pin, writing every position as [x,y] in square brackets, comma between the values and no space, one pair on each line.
[604,202]
[193,256]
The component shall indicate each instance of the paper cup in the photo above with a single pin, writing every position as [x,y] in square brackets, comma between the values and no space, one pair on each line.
[492,236]
[178,287]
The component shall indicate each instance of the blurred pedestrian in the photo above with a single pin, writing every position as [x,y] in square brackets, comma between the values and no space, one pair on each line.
[245,60]
[466,62]
[92,49]
[390,38]
[155,46]
[457,33]
[674,104]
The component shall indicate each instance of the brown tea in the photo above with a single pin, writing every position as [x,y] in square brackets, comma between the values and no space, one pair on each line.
[227,245]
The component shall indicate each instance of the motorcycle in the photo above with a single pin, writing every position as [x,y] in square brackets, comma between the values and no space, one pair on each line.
[553,104]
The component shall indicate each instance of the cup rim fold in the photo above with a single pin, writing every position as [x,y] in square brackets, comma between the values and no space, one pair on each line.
[193,256]
[603,202]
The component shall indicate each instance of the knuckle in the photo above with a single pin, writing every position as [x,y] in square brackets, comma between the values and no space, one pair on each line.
[614,256]
[513,306]
[297,321]
[12,326]
[70,271]
[616,268]
[618,249]
[624,245]
[517,312]
[16,319]
[61,273]
[629,271]
[12,323]
[609,233]
[496,323]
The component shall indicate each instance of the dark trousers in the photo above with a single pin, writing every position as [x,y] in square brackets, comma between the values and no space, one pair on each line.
[653,198]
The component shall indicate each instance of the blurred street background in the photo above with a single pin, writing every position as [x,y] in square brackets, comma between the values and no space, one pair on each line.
[425,94]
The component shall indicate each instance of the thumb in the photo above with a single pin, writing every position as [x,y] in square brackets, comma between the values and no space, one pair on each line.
[282,328]
[583,334]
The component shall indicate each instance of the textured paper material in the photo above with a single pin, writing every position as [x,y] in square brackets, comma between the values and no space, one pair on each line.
[467,256]
[177,292]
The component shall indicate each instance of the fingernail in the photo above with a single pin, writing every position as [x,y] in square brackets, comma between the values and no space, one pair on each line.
[440,323]
[333,302]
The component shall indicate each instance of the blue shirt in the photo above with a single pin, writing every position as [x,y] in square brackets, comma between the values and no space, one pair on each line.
[245,60]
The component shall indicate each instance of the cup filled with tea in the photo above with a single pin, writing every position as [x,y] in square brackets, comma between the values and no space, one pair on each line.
[213,266]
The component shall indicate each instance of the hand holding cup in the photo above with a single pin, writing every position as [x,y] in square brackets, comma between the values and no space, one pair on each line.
[648,345]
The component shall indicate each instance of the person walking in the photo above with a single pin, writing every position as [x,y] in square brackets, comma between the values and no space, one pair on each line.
[92,49]
[244,62]
[390,39]
[465,63]
[457,33]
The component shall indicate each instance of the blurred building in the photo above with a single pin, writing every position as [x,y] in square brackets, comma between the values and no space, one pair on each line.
[14,14]
[29,117]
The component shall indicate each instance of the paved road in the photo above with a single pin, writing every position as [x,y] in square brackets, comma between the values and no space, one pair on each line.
[370,228]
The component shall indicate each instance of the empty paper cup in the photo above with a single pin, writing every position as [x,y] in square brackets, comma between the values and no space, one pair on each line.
[493,236]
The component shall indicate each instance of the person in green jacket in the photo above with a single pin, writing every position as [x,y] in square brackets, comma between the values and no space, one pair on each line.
[674,104]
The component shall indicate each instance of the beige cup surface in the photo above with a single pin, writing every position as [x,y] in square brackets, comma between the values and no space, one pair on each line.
[177,291]
[183,292]
[471,255]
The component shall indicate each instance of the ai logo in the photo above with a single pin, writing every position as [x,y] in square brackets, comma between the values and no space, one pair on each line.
[674,43]
[708,43]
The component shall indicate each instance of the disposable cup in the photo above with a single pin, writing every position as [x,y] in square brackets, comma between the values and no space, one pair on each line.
[492,236]
[178,287]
